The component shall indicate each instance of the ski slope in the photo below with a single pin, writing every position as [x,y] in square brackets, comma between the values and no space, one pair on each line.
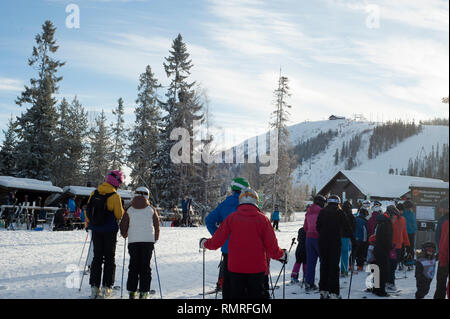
[44,265]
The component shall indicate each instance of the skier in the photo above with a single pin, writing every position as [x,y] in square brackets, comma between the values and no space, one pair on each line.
[300,256]
[383,246]
[361,238]
[331,224]
[251,241]
[372,222]
[443,211]
[400,238]
[104,226]
[186,207]
[217,216]
[140,224]
[442,272]
[275,218]
[425,269]
[312,244]
[347,244]
[411,229]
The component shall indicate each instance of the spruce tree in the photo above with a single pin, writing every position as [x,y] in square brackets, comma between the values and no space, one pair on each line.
[180,110]
[119,134]
[36,127]
[99,151]
[8,156]
[144,135]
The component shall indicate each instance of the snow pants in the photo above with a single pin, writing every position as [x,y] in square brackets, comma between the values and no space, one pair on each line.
[275,224]
[330,254]
[224,276]
[247,286]
[441,282]
[423,285]
[312,251]
[393,266]
[345,242]
[139,271]
[361,252]
[382,261]
[104,255]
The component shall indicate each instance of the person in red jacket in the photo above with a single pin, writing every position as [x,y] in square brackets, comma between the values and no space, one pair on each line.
[251,242]
[442,276]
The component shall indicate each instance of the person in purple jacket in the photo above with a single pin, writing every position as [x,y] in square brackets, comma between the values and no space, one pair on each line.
[372,223]
[312,241]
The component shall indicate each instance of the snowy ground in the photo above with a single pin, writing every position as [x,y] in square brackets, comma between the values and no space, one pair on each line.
[43,265]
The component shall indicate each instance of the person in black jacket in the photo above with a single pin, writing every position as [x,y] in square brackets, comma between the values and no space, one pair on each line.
[300,256]
[383,245]
[346,239]
[331,225]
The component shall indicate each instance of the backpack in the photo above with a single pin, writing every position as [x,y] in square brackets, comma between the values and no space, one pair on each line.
[97,211]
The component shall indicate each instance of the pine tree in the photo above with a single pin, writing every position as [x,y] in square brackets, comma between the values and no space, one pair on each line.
[70,144]
[8,156]
[99,151]
[36,127]
[181,110]
[144,135]
[336,157]
[278,186]
[119,135]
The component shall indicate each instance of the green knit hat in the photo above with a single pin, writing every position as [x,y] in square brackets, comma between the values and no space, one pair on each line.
[240,183]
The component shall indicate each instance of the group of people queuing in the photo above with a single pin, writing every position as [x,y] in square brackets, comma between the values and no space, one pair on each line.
[346,243]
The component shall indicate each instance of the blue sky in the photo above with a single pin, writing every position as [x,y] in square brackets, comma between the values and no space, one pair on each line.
[385,59]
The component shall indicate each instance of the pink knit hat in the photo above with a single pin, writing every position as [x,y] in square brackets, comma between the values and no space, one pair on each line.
[115,178]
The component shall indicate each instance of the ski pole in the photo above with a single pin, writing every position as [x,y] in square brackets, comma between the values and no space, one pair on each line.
[284,265]
[85,241]
[284,281]
[203,273]
[351,277]
[85,264]
[220,268]
[157,274]
[123,266]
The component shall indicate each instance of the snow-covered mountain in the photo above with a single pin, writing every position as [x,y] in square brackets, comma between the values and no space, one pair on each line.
[320,168]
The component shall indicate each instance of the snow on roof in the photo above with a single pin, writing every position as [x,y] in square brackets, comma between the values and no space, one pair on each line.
[87,191]
[385,185]
[427,184]
[28,184]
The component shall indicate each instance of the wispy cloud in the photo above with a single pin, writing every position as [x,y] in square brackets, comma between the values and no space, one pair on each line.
[10,85]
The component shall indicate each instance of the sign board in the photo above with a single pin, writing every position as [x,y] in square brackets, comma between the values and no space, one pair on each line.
[426,213]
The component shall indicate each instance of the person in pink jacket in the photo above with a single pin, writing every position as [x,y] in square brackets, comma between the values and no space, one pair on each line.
[312,241]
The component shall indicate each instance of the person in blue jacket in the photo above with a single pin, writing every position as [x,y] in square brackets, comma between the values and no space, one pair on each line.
[276,218]
[361,238]
[411,226]
[72,206]
[215,218]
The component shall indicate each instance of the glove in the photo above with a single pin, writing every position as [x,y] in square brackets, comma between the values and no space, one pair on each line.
[285,258]
[202,243]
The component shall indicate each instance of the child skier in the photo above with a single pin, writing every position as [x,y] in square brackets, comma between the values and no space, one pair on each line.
[425,269]
[140,224]
[361,239]
[275,218]
[300,256]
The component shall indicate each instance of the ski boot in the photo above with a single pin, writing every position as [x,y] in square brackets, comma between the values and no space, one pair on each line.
[133,295]
[95,292]
[144,295]
[310,288]
[107,292]
[294,280]
[335,296]
[324,294]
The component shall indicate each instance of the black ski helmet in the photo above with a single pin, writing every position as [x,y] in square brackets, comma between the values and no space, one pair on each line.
[429,245]
[334,199]
[392,211]
[320,200]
